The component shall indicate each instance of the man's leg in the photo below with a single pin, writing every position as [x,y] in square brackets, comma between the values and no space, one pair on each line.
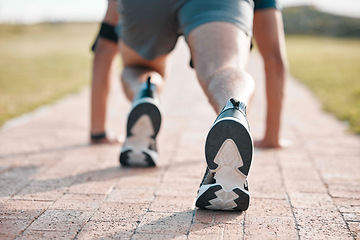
[220,51]
[137,70]
[105,52]
[269,36]
[141,79]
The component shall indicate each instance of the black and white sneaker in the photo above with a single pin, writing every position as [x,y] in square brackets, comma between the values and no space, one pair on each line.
[143,125]
[228,151]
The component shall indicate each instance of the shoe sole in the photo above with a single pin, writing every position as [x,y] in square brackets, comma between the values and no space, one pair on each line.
[228,151]
[143,125]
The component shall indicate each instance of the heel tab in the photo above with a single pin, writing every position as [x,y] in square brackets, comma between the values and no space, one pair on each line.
[148,82]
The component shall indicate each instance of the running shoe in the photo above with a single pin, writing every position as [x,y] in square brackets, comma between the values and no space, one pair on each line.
[143,125]
[228,151]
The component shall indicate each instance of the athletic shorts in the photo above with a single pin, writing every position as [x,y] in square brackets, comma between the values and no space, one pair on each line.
[152,27]
[262,4]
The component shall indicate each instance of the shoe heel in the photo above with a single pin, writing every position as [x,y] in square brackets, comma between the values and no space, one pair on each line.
[229,143]
[143,125]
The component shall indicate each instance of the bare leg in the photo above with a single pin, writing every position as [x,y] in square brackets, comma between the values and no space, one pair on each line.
[105,54]
[144,119]
[220,51]
[137,70]
[269,36]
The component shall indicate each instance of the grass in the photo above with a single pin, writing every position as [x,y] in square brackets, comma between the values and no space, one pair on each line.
[310,21]
[41,63]
[331,68]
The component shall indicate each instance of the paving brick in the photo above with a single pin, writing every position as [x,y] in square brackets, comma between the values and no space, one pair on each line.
[343,176]
[206,231]
[172,204]
[9,187]
[185,169]
[269,218]
[204,216]
[233,231]
[311,200]
[40,192]
[260,227]
[345,191]
[140,181]
[91,187]
[186,187]
[355,229]
[46,234]
[352,217]
[304,186]
[20,209]
[263,186]
[106,230]
[120,211]
[165,223]
[346,201]
[78,202]
[61,220]
[131,195]
[156,172]
[302,178]
[158,236]
[269,208]
[229,217]
[10,228]
[4,199]
[321,223]
[349,208]
[20,172]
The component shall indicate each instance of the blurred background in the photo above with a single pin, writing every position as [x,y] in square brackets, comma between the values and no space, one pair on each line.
[45,52]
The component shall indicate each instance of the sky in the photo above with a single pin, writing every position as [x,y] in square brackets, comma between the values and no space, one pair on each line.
[34,11]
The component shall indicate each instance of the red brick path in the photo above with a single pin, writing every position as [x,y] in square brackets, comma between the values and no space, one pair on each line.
[55,185]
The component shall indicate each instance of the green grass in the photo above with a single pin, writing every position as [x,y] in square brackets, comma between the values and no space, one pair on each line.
[331,68]
[310,21]
[41,63]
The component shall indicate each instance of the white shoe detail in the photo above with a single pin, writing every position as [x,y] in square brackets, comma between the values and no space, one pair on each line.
[224,200]
[229,160]
[139,142]
[137,159]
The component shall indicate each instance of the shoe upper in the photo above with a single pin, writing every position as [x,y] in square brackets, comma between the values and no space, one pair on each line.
[148,90]
[235,109]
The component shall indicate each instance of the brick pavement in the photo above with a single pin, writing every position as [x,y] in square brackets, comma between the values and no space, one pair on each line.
[55,185]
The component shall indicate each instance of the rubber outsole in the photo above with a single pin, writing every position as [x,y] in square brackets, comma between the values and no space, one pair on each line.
[140,153]
[214,199]
[228,151]
[234,130]
[124,160]
[145,108]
